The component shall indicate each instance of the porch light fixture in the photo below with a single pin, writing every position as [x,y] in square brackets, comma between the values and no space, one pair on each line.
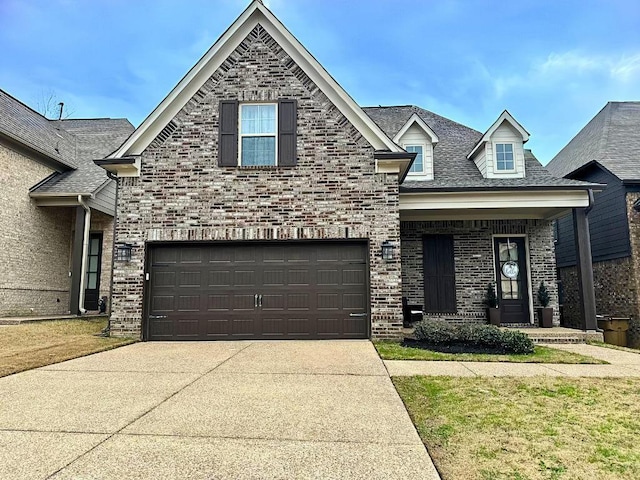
[387,251]
[123,252]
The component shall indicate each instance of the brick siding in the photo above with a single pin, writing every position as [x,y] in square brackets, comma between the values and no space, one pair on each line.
[474,262]
[616,282]
[35,242]
[333,192]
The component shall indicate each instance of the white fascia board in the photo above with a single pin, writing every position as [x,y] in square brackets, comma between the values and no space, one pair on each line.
[255,14]
[504,116]
[495,200]
[415,118]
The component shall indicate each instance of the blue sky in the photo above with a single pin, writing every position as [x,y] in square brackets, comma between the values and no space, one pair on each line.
[552,64]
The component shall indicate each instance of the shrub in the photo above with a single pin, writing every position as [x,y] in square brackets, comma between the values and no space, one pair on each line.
[442,333]
[435,332]
[490,297]
[543,295]
[516,342]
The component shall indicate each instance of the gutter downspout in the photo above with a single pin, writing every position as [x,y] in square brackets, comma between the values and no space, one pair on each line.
[85,251]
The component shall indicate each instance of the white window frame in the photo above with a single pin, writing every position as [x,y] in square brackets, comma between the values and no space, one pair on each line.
[241,135]
[495,157]
[424,162]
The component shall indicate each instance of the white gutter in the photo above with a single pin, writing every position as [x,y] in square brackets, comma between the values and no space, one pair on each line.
[85,251]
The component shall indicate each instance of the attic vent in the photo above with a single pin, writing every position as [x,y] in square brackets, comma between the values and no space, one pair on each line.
[166,132]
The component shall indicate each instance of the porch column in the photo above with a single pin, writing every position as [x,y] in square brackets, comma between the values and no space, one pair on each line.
[586,290]
[76,262]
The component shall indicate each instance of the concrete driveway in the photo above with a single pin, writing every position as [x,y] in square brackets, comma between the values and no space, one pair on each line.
[208,411]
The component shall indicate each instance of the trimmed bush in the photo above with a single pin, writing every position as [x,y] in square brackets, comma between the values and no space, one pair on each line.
[490,337]
[436,332]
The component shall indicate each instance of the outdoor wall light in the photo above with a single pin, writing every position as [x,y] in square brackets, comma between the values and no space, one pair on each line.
[387,251]
[123,252]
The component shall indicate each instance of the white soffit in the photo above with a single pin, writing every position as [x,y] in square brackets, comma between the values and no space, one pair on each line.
[255,14]
[504,116]
[494,199]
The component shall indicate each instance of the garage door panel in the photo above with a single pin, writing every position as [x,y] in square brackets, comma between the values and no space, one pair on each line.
[248,291]
[189,303]
[190,279]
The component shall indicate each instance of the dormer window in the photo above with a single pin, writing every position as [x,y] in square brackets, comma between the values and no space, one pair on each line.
[418,164]
[504,157]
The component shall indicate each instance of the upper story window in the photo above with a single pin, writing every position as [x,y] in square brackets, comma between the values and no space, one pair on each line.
[504,157]
[258,130]
[418,163]
[258,134]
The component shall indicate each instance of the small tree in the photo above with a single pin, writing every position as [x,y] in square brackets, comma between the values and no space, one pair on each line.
[543,295]
[490,297]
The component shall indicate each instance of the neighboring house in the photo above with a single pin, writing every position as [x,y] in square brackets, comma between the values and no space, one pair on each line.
[51,190]
[258,200]
[607,151]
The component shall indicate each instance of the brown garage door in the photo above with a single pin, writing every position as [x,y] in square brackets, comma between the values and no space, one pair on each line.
[277,290]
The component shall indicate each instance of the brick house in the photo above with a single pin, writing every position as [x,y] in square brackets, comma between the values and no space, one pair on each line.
[258,200]
[51,190]
[606,151]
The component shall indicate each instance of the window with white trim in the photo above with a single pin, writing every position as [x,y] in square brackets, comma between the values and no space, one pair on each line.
[258,133]
[418,163]
[504,157]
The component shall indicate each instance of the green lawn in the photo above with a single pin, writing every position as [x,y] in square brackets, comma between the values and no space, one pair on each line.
[538,428]
[32,345]
[395,351]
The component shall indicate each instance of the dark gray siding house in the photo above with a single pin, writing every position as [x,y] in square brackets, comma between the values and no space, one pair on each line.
[606,151]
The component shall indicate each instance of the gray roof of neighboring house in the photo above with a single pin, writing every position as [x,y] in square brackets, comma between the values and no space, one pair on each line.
[71,144]
[612,138]
[95,138]
[451,168]
[26,126]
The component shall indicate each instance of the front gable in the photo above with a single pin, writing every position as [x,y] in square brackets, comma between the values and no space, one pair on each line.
[254,20]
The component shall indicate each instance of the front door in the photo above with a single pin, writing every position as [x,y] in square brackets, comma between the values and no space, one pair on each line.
[512,275]
[94,259]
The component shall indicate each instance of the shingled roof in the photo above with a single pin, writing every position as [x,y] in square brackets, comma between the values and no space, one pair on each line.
[95,138]
[452,170]
[27,127]
[71,145]
[611,138]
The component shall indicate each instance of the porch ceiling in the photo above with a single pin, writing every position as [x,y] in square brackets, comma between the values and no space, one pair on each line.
[491,205]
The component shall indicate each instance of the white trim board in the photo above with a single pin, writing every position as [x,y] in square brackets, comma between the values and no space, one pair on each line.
[256,13]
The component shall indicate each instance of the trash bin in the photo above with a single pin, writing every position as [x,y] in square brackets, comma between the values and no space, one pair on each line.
[615,329]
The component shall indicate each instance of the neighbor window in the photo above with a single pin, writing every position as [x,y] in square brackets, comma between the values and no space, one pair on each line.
[258,134]
[418,163]
[504,157]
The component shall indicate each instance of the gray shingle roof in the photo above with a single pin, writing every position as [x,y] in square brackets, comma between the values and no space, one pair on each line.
[451,168]
[612,138]
[95,138]
[28,127]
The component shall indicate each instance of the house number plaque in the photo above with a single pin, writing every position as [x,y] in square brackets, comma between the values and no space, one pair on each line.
[510,269]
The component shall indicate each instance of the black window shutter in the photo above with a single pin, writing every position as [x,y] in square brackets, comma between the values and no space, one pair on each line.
[228,141]
[287,119]
[439,274]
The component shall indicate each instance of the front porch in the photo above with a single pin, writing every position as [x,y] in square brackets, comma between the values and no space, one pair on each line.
[455,244]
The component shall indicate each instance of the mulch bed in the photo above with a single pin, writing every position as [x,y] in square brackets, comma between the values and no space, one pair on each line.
[455,348]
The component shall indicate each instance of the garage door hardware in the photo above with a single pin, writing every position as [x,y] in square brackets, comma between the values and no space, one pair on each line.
[157,316]
[257,300]
[357,314]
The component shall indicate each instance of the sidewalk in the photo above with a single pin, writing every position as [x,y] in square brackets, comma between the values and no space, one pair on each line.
[622,364]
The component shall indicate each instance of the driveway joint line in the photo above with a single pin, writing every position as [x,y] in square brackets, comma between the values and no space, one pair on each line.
[145,413]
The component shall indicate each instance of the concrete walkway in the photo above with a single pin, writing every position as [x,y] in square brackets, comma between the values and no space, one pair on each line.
[622,364]
[277,410]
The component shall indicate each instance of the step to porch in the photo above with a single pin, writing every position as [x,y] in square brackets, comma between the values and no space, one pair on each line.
[558,335]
